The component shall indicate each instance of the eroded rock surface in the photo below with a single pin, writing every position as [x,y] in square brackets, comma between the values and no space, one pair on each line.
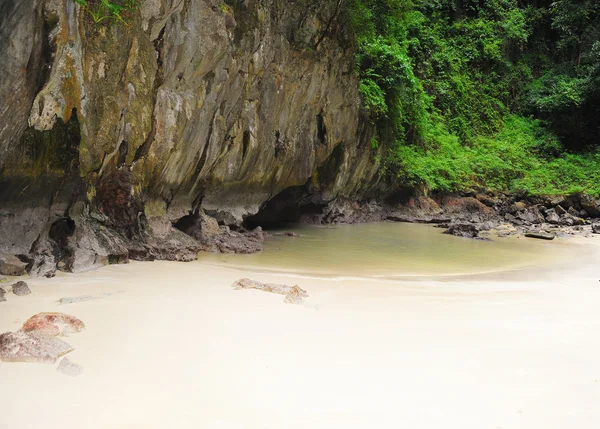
[117,132]
[21,289]
[31,347]
[53,324]
[293,294]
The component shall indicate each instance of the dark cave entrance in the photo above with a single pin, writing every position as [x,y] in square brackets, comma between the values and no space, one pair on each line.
[292,205]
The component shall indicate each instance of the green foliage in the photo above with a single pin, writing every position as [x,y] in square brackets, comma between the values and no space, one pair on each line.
[451,86]
[522,157]
[101,10]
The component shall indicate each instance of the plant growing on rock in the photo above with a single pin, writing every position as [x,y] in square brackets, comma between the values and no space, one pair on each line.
[100,10]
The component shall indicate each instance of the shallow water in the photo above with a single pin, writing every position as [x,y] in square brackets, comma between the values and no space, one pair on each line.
[390,250]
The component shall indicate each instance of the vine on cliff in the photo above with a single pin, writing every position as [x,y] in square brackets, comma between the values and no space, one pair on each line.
[101,10]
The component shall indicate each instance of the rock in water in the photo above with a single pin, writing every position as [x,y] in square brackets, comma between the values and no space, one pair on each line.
[540,235]
[53,324]
[21,289]
[293,294]
[69,368]
[467,230]
[28,347]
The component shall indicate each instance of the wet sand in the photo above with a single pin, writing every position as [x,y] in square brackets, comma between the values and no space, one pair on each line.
[176,347]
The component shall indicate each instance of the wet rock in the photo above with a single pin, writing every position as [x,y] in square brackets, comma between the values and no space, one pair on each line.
[540,235]
[11,265]
[286,234]
[242,242]
[293,294]
[21,289]
[30,347]
[53,324]
[69,368]
[467,230]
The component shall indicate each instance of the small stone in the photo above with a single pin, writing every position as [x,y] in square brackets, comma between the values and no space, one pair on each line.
[2,293]
[69,368]
[21,289]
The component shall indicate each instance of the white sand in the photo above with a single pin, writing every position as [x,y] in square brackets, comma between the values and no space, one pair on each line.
[179,348]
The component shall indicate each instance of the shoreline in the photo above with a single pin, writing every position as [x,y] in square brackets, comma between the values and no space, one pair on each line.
[176,346]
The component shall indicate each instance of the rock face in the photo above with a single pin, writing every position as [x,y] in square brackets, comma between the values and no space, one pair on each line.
[111,134]
[293,294]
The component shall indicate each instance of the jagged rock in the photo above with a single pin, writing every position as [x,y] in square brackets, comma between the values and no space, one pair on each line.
[11,265]
[31,347]
[531,215]
[293,294]
[467,230]
[487,226]
[590,205]
[570,220]
[552,217]
[53,324]
[517,207]
[69,368]
[540,235]
[560,210]
[21,289]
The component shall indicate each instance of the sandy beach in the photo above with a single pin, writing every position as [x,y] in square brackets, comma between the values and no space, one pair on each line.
[173,345]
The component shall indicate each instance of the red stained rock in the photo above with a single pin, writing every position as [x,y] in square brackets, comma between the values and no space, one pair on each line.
[53,324]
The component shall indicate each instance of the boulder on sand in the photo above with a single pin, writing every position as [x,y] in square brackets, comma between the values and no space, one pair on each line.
[21,289]
[29,347]
[293,294]
[53,324]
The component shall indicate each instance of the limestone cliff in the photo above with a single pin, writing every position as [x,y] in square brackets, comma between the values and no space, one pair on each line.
[111,133]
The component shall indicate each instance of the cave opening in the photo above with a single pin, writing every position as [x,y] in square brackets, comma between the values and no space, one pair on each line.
[295,204]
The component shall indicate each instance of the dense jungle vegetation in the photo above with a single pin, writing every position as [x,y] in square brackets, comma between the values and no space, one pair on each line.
[497,94]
